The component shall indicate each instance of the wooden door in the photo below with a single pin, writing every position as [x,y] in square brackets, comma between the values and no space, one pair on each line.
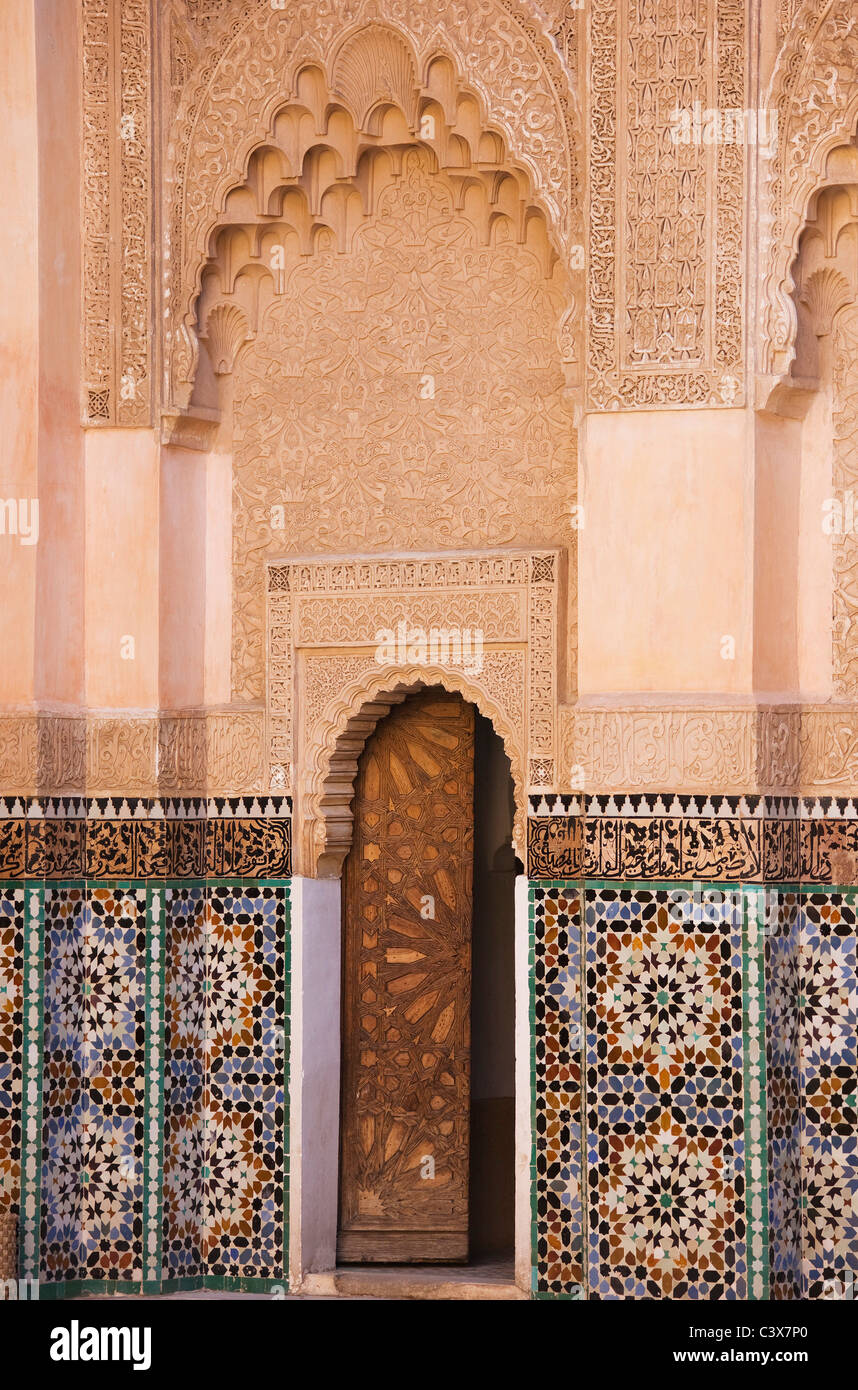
[407,989]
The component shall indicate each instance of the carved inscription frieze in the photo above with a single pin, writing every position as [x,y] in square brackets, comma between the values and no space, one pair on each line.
[213,752]
[732,751]
[117,211]
[666,241]
[735,750]
[733,848]
[638,749]
[89,837]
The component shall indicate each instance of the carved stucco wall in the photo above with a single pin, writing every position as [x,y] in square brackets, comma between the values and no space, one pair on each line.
[325,671]
[624,749]
[657,335]
[845,544]
[117,211]
[814,90]
[252,65]
[825,275]
[650,341]
[666,225]
[133,754]
[335,422]
[220,68]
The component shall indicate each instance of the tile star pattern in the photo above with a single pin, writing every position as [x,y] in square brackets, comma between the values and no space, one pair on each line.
[184,1079]
[555,926]
[693,1055]
[94,1083]
[12,909]
[720,1154]
[152,1019]
[244,1101]
[665,1125]
[828,1005]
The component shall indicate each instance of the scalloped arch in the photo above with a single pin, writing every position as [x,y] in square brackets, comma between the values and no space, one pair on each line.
[325,784]
[814,90]
[498,50]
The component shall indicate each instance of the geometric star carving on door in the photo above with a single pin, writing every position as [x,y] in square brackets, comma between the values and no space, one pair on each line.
[406,988]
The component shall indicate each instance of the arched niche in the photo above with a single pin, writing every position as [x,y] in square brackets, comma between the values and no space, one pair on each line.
[325,785]
[342,92]
[814,94]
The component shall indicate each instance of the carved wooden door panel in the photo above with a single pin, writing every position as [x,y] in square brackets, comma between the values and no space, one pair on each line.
[407,989]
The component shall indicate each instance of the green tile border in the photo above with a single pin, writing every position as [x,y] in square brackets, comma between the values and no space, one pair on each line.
[142,1288]
[576,886]
[531,1018]
[153,1102]
[754,1094]
[584,1173]
[32,1055]
[287,1062]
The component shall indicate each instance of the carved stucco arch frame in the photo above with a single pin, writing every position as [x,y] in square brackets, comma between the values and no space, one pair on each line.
[188,232]
[339,734]
[814,90]
[323,816]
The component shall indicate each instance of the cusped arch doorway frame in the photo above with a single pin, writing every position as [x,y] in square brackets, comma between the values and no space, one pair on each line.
[324,620]
[326,692]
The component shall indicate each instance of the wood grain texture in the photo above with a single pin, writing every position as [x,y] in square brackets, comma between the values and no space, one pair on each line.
[407,989]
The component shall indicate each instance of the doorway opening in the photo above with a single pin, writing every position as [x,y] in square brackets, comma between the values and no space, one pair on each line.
[427,1106]
[492,1170]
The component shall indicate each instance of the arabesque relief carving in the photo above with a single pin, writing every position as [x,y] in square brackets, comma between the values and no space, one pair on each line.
[116,102]
[812,751]
[202,80]
[386,295]
[643,749]
[350,435]
[773,749]
[513,83]
[665,293]
[192,751]
[825,276]
[522,64]
[319,685]
[814,93]
[844,651]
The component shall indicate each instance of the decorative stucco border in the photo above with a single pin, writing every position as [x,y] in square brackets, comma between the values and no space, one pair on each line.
[116,211]
[737,750]
[327,689]
[623,80]
[132,754]
[774,749]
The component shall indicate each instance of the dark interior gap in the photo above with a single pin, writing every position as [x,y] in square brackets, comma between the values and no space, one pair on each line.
[492,1166]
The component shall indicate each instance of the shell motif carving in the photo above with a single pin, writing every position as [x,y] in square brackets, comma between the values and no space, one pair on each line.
[375,67]
[826,292]
[227,330]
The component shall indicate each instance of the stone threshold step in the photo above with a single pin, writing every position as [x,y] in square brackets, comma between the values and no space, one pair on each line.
[413,1282]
